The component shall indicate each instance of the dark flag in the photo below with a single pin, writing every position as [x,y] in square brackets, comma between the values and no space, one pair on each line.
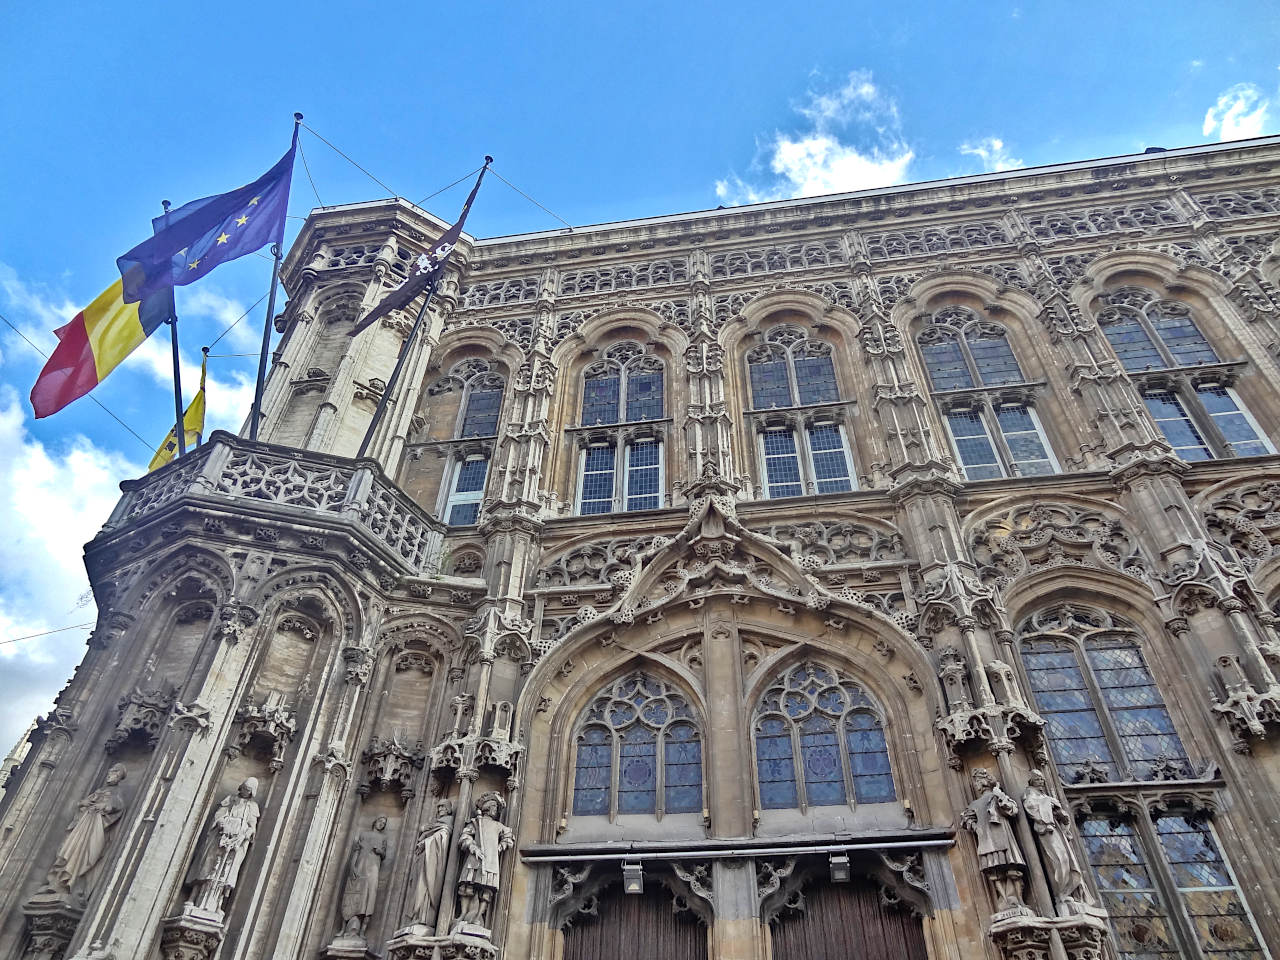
[195,238]
[428,268]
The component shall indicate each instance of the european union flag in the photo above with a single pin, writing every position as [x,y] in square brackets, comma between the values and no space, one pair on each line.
[195,238]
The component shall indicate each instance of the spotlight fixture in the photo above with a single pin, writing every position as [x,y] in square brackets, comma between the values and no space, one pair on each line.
[839,868]
[633,878]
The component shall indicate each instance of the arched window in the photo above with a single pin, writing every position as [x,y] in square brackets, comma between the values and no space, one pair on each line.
[1104,715]
[808,453]
[622,470]
[819,741]
[639,751]
[482,388]
[994,433]
[1157,341]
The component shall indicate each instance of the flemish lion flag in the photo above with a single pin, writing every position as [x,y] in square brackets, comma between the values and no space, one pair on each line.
[428,268]
[192,425]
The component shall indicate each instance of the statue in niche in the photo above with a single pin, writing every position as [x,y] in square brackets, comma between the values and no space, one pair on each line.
[368,851]
[226,844]
[86,840]
[484,840]
[429,855]
[991,818]
[1051,823]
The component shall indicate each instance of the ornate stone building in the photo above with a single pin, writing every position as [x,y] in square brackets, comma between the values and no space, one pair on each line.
[890,575]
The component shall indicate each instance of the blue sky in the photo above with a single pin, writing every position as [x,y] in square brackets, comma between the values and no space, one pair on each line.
[600,111]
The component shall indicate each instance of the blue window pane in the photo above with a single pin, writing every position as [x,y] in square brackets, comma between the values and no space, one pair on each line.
[637,771]
[644,491]
[471,475]
[682,769]
[1235,426]
[1063,699]
[463,514]
[481,419]
[1132,345]
[868,759]
[820,757]
[781,463]
[1146,730]
[769,386]
[946,365]
[594,772]
[1027,449]
[830,465]
[993,357]
[1184,340]
[1170,416]
[816,380]
[775,767]
[977,454]
[600,399]
[644,396]
[597,480]
[1138,916]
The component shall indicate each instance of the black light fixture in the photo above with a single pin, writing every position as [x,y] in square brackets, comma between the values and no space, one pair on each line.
[839,868]
[632,878]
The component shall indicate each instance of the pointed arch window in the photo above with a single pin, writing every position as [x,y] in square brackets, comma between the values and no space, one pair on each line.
[639,751]
[961,350]
[819,741]
[791,369]
[1104,715]
[482,388]
[627,371]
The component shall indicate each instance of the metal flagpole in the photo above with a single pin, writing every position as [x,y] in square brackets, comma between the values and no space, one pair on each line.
[179,433]
[276,254]
[395,374]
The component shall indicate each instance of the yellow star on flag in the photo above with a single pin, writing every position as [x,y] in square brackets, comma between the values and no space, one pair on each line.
[224,238]
[254,201]
[241,220]
[193,264]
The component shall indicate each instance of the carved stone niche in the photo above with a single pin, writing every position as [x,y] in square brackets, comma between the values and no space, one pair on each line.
[390,765]
[142,717]
[270,725]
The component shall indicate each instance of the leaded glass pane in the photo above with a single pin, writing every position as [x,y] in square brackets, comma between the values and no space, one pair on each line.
[682,770]
[993,357]
[868,759]
[1209,894]
[1132,345]
[1018,426]
[1062,697]
[600,399]
[1138,915]
[463,514]
[593,774]
[644,396]
[820,757]
[597,480]
[944,359]
[1183,340]
[816,380]
[481,419]
[1171,417]
[977,454]
[637,770]
[830,465]
[781,463]
[775,766]
[1231,420]
[644,491]
[1137,710]
[769,386]
[471,476]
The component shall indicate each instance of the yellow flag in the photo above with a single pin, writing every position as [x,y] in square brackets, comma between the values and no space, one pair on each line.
[192,424]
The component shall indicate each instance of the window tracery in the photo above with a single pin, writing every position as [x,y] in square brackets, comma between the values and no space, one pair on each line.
[639,751]
[482,388]
[819,741]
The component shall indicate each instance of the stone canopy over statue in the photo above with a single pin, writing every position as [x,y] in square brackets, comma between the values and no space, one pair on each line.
[484,839]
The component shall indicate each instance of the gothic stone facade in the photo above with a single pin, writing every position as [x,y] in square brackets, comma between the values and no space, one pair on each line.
[892,574]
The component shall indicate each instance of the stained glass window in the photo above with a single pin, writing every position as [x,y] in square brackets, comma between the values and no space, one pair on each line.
[1139,917]
[781,463]
[1134,704]
[816,379]
[1233,423]
[962,351]
[620,768]
[1181,336]
[481,419]
[992,355]
[1131,342]
[1022,436]
[597,480]
[944,359]
[643,475]
[830,465]
[825,720]
[644,395]
[1151,334]
[1171,417]
[977,453]
[600,398]
[769,385]
[463,506]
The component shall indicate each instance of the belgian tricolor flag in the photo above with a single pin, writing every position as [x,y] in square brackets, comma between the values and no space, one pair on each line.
[94,343]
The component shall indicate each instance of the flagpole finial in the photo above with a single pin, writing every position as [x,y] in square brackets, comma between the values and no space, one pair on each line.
[166,204]
[205,351]
[487,159]
[297,118]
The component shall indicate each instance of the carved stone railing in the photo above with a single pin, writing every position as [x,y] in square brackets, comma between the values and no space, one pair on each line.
[286,483]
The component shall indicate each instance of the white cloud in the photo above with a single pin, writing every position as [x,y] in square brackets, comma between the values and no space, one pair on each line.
[993,154]
[51,503]
[853,142]
[206,302]
[37,310]
[226,401]
[1241,111]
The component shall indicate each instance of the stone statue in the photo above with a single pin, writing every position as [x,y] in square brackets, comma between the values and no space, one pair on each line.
[226,845]
[990,816]
[430,853]
[367,853]
[483,841]
[86,838]
[1051,824]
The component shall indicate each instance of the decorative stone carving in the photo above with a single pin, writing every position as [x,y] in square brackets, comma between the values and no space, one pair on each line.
[1246,521]
[1246,710]
[142,718]
[271,722]
[234,621]
[51,922]
[389,764]
[360,892]
[835,543]
[484,839]
[226,844]
[990,817]
[430,851]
